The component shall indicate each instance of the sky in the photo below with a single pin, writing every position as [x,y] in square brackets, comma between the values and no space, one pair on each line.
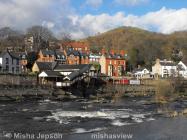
[83,18]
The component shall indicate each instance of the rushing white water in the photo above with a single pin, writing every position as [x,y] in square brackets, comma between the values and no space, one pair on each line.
[119,123]
[82,130]
[64,117]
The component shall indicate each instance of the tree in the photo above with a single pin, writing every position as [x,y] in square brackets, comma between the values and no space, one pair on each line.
[65,37]
[133,60]
[41,36]
[31,58]
[177,55]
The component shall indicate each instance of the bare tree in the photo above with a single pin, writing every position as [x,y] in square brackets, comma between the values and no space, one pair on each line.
[41,36]
[65,37]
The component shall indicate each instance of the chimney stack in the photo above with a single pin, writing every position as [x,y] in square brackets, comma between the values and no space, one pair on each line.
[122,52]
[112,51]
[103,51]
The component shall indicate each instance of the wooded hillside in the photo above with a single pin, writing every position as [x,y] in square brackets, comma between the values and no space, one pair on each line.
[142,46]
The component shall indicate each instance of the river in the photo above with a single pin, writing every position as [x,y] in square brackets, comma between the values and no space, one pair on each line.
[128,118]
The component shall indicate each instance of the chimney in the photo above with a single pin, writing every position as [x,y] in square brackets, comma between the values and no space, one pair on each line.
[103,51]
[139,66]
[157,60]
[122,52]
[112,51]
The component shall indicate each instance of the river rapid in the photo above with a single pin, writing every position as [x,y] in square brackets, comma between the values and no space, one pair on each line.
[127,118]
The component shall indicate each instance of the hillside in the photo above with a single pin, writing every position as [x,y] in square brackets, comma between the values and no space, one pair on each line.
[142,46]
[7,32]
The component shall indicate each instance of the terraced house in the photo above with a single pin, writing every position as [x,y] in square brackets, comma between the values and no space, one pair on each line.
[113,63]
[46,56]
[82,47]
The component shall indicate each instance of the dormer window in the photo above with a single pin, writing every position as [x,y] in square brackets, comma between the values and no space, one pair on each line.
[23,56]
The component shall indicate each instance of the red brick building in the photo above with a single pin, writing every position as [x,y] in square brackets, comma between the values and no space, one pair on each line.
[76,57]
[113,63]
[82,47]
[76,52]
[46,56]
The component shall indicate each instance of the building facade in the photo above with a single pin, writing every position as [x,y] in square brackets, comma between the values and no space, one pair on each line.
[82,47]
[12,62]
[142,73]
[182,69]
[112,64]
[46,56]
[164,68]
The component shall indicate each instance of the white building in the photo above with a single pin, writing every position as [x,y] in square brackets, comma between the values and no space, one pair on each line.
[141,73]
[182,69]
[164,68]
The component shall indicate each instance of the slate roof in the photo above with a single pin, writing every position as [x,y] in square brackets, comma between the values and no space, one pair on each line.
[59,52]
[72,75]
[74,52]
[167,64]
[75,74]
[180,67]
[46,65]
[48,52]
[65,67]
[18,55]
[138,69]
[84,54]
[53,73]
[114,56]
[60,55]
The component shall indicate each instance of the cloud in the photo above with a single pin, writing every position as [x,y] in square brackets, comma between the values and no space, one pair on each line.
[90,24]
[94,3]
[24,13]
[130,2]
[164,21]
[60,16]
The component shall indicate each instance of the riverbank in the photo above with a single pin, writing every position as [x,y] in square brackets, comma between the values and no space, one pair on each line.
[162,91]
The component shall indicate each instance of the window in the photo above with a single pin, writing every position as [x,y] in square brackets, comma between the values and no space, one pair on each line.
[7,61]
[23,57]
[12,69]
[17,62]
[145,71]
[120,70]
[17,69]
[72,56]
[7,68]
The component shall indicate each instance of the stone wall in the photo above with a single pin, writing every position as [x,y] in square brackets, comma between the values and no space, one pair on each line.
[17,80]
